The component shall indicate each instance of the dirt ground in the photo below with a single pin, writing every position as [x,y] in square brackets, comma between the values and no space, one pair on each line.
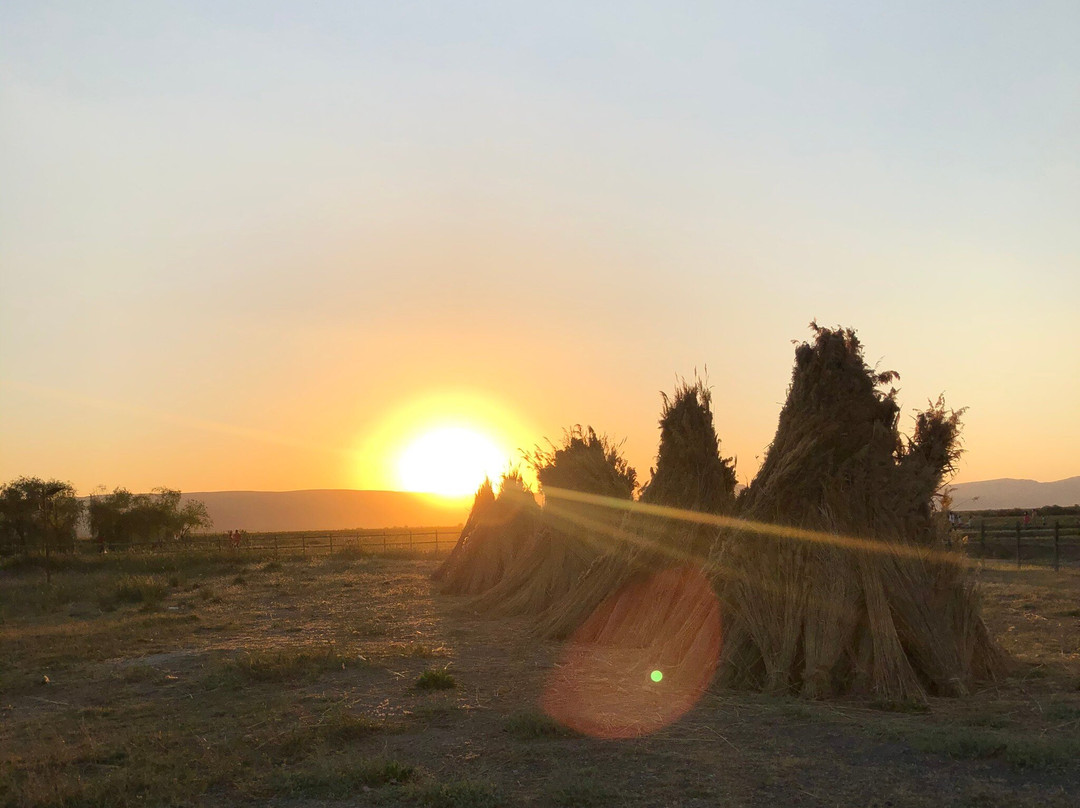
[254,681]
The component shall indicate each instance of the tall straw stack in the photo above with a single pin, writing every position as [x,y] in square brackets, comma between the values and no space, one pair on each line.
[837,579]
[690,474]
[893,615]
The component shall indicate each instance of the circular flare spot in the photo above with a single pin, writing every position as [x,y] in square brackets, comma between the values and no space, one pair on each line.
[604,686]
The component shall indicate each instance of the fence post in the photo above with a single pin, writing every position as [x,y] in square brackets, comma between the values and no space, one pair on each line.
[275,546]
[303,545]
[331,544]
[982,537]
[1018,544]
[1057,551]
[410,540]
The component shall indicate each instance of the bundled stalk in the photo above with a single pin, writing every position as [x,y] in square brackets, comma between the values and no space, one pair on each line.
[838,579]
[860,594]
[497,529]
[690,475]
[584,462]
[690,472]
[569,535]
[645,612]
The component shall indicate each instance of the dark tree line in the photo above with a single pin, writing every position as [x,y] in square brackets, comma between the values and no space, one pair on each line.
[38,515]
[125,518]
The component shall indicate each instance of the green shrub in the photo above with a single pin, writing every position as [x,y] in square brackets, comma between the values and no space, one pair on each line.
[581,793]
[146,590]
[338,779]
[1019,750]
[458,794]
[436,679]
[343,727]
[289,664]
[536,725]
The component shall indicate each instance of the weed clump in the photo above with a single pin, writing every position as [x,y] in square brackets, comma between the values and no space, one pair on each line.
[457,794]
[338,779]
[148,591]
[436,679]
[288,664]
[582,791]
[536,725]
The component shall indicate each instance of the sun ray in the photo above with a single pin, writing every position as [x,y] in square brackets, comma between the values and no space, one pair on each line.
[746,525]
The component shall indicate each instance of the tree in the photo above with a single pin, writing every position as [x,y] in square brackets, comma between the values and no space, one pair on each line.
[38,514]
[125,518]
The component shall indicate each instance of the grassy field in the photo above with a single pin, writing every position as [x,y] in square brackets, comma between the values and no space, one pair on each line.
[217,680]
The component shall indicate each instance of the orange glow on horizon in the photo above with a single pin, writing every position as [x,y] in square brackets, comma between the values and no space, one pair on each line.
[444,443]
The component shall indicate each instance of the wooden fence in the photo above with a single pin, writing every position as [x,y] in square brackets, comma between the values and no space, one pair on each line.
[423,539]
[428,540]
[1046,544]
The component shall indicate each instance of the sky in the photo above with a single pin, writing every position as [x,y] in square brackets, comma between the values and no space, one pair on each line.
[272,245]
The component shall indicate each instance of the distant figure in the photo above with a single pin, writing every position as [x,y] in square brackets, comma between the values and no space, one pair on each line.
[1027,519]
[234,539]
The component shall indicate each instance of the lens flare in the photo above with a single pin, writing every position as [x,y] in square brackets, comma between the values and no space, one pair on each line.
[605,684]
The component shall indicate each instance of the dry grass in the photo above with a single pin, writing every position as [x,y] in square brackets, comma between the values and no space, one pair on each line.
[136,711]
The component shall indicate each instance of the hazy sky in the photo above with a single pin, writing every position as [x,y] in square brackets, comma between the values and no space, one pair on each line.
[256,245]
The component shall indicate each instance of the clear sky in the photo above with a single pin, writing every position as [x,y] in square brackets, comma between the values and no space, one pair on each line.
[267,245]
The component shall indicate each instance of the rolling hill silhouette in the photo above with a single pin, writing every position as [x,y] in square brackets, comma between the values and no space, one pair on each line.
[328,509]
[1010,493]
[345,509]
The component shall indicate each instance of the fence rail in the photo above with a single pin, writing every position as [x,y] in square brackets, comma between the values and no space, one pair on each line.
[1046,544]
[306,543]
[1051,544]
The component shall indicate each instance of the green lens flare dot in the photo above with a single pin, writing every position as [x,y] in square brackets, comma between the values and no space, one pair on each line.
[656,676]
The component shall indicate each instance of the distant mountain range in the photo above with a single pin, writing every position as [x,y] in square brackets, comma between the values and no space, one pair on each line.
[328,509]
[1009,493]
[343,509]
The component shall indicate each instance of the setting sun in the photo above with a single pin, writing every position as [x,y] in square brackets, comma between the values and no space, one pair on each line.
[451,461]
[443,442]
